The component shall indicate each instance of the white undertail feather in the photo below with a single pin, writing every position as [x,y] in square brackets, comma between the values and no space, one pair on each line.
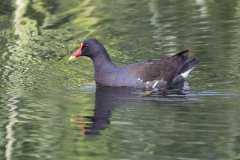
[155,84]
[186,73]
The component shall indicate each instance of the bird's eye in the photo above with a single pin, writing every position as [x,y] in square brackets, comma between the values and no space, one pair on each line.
[83,46]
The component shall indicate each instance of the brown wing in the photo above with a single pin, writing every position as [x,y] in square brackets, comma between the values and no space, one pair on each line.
[165,68]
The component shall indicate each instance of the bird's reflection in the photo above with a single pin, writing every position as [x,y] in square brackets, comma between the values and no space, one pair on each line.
[106,99]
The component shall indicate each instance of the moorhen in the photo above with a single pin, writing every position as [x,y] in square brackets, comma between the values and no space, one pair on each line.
[168,72]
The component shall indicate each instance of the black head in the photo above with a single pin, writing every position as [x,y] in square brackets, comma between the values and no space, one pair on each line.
[90,48]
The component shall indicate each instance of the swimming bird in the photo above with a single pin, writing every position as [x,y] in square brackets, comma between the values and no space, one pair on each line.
[165,73]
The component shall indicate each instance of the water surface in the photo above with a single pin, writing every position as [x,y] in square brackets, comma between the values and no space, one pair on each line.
[50,109]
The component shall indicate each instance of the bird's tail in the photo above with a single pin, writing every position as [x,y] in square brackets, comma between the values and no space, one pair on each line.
[187,66]
[187,63]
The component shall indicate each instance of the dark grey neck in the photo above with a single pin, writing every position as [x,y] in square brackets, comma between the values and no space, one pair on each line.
[102,62]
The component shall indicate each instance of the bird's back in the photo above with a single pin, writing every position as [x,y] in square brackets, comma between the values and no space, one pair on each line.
[164,70]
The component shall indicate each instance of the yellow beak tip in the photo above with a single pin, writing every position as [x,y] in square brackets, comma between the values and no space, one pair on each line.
[72,58]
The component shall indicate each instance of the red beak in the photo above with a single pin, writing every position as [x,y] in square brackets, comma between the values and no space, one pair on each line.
[75,54]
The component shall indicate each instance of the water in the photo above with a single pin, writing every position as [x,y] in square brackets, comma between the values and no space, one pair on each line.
[50,109]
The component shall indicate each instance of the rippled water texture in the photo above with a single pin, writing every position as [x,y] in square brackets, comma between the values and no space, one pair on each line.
[50,109]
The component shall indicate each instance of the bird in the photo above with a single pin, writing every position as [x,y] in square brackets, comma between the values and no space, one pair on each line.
[163,74]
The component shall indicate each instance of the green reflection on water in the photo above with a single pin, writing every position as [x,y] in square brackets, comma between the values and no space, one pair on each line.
[50,110]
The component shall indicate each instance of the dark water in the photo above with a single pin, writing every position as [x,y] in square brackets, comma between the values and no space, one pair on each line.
[49,109]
